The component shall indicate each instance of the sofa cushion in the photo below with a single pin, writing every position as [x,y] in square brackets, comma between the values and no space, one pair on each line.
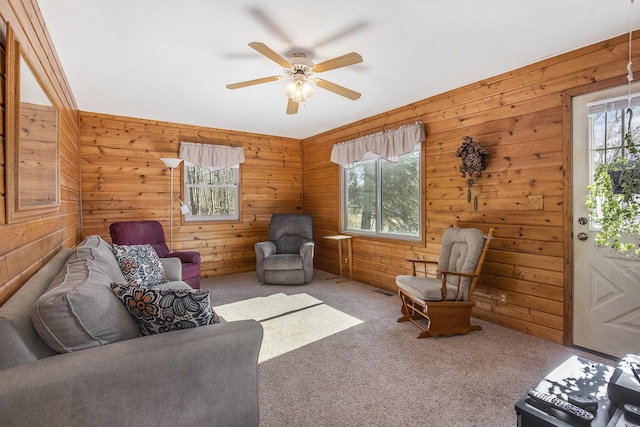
[99,251]
[164,310]
[140,264]
[79,311]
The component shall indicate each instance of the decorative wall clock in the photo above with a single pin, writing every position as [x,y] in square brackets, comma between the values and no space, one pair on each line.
[473,163]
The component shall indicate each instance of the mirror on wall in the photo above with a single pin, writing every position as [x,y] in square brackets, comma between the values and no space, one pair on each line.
[32,140]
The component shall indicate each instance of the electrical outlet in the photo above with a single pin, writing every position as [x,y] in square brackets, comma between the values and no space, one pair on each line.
[503,298]
[346,260]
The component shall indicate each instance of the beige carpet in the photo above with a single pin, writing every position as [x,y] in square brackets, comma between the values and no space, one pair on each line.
[267,307]
[289,321]
[376,373]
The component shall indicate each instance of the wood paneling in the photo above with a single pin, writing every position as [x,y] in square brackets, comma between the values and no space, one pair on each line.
[123,179]
[27,245]
[520,117]
[525,191]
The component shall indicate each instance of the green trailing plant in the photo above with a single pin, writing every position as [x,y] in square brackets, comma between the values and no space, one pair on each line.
[613,201]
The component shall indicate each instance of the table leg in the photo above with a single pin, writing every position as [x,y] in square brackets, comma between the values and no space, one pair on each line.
[340,260]
[350,258]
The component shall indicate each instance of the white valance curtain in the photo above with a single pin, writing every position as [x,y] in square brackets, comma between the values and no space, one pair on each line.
[212,157]
[389,145]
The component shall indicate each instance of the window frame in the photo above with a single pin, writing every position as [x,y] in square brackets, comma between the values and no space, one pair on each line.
[188,217]
[620,104]
[606,106]
[377,233]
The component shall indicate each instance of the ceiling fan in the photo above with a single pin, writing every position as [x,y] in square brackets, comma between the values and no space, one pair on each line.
[301,70]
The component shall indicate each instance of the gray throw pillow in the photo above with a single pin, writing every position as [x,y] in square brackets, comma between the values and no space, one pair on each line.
[140,265]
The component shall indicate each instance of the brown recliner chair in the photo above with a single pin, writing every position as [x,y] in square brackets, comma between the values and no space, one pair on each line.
[151,232]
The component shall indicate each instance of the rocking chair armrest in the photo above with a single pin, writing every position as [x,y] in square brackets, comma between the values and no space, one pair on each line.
[456,273]
[423,261]
[460,275]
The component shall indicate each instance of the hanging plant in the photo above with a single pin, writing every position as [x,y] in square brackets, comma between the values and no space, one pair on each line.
[614,201]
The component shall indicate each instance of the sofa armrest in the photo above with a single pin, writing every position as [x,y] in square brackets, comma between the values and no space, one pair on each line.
[189,377]
[186,256]
[172,268]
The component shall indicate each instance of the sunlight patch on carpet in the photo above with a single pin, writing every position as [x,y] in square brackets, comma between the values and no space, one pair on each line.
[263,308]
[289,321]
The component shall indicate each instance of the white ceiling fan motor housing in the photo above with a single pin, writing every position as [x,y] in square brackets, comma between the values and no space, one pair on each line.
[301,66]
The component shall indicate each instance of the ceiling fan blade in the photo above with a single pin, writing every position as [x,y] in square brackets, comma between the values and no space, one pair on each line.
[292,106]
[356,26]
[269,53]
[270,24]
[253,82]
[340,61]
[340,90]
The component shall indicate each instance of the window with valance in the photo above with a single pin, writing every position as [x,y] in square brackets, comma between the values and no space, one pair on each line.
[211,157]
[381,183]
[389,145]
[211,181]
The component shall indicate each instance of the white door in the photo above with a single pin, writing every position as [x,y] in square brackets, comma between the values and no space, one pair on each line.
[606,284]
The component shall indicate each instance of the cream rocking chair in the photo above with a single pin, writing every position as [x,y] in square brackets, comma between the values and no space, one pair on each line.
[441,305]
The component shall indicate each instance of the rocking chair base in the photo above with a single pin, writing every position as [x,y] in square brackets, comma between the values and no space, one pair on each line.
[446,318]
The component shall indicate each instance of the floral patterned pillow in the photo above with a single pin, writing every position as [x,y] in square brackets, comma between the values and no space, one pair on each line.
[164,310]
[140,264]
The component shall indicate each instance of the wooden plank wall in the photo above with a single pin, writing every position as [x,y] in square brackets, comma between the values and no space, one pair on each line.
[27,245]
[520,118]
[123,179]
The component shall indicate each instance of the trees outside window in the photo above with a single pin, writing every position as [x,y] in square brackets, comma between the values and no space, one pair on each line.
[211,195]
[383,198]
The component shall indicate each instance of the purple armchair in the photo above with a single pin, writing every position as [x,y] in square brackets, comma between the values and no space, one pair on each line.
[151,232]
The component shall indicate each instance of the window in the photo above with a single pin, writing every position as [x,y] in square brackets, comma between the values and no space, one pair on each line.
[211,195]
[382,198]
[608,122]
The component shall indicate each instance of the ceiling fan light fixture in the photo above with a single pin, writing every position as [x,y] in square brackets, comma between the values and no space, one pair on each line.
[301,69]
[299,90]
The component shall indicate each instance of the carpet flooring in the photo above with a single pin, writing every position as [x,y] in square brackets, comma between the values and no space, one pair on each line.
[288,321]
[373,371]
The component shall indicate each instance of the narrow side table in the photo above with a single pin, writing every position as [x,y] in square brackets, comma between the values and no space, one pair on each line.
[339,238]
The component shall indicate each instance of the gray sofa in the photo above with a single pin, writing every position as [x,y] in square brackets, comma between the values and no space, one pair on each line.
[101,375]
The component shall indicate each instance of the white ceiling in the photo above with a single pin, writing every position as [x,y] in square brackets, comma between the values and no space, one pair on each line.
[171,60]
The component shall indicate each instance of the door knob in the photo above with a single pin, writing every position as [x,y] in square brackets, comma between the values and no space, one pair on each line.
[582,236]
[582,220]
